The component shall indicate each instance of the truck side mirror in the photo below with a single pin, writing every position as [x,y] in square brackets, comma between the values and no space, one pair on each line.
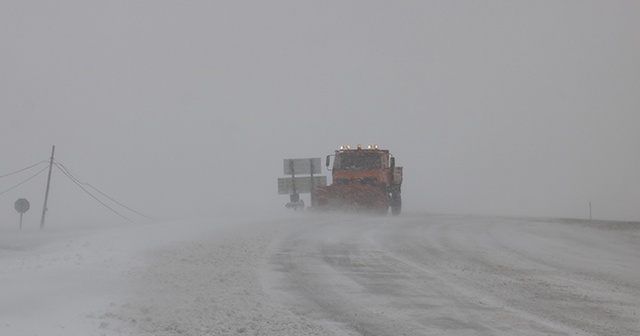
[328,161]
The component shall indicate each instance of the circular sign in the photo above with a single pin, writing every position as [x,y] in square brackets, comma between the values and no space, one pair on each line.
[22,205]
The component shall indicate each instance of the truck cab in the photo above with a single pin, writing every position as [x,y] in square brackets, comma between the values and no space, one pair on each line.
[362,179]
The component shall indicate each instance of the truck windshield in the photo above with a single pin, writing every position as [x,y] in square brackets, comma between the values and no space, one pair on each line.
[357,161]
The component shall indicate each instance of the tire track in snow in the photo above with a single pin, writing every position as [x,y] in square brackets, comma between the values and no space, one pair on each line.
[459,275]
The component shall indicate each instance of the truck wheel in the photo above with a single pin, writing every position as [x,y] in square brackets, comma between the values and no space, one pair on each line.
[396,204]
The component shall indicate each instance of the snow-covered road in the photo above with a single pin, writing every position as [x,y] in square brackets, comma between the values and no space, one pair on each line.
[451,275]
[311,274]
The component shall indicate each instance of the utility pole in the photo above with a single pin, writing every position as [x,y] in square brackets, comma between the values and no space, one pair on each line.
[46,194]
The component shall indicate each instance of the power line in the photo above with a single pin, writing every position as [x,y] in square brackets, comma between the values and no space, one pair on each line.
[23,169]
[92,196]
[23,182]
[120,204]
[79,182]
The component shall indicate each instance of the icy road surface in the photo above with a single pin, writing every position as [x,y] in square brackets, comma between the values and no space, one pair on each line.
[445,275]
[310,274]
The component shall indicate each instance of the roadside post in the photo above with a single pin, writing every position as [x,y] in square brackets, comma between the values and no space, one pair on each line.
[22,205]
[294,186]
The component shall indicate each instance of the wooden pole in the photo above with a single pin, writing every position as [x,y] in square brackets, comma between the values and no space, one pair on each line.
[46,194]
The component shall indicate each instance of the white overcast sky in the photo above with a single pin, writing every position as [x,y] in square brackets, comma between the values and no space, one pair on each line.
[186,108]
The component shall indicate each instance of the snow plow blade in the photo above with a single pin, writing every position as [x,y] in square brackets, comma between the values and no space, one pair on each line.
[359,198]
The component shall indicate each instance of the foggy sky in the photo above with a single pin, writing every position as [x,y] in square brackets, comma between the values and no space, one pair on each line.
[186,109]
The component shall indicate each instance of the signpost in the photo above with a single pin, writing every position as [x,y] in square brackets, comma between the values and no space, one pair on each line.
[295,185]
[22,206]
[302,184]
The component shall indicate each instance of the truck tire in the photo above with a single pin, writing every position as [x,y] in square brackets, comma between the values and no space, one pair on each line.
[396,203]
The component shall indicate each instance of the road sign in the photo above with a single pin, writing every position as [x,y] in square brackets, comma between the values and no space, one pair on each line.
[303,184]
[302,166]
[22,205]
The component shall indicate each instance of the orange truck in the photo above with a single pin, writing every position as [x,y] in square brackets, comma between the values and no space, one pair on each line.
[363,179]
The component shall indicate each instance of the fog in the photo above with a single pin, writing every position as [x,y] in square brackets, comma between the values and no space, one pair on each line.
[186,109]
